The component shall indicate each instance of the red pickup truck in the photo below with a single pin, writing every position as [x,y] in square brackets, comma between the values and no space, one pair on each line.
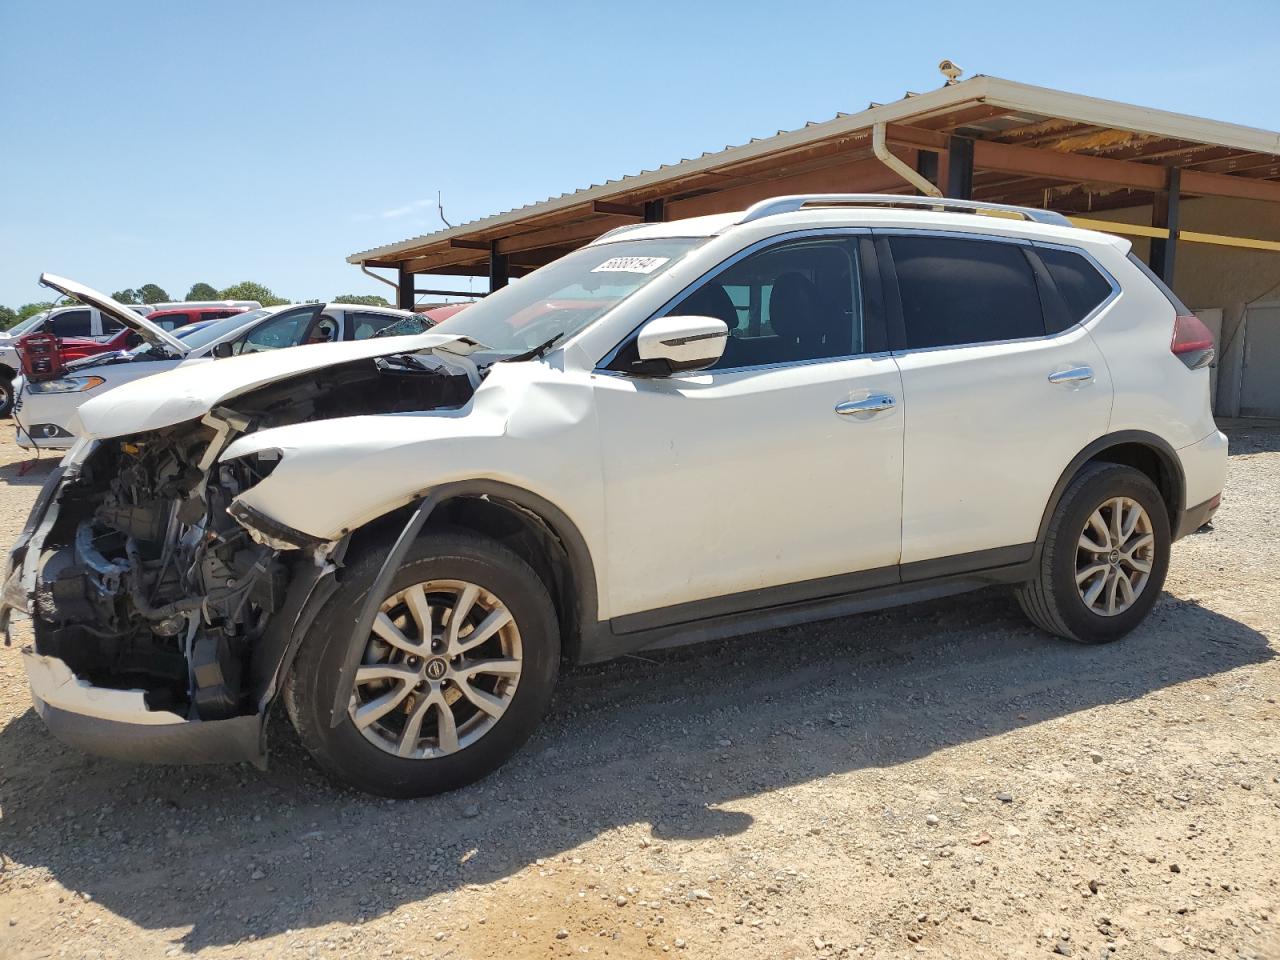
[73,348]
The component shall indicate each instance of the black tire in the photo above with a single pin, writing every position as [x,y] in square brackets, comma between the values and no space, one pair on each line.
[6,396]
[438,555]
[1051,601]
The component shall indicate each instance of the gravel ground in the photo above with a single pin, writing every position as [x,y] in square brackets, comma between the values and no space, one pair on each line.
[937,780]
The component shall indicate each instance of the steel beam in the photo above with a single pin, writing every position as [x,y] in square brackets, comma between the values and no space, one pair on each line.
[960,168]
[404,289]
[499,271]
[1164,213]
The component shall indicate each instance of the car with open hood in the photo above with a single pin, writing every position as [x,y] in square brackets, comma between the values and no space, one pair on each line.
[46,412]
[682,430]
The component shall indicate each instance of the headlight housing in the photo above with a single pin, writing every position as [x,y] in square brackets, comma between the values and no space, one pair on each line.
[65,385]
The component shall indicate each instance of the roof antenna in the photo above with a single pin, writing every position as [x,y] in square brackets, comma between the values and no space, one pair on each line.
[440,207]
[951,71]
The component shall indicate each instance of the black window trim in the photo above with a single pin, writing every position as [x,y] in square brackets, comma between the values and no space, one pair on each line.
[897,325]
[869,314]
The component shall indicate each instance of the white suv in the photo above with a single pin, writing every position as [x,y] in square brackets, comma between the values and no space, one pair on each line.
[683,430]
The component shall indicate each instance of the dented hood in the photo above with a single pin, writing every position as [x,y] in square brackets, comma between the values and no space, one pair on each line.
[191,390]
[117,311]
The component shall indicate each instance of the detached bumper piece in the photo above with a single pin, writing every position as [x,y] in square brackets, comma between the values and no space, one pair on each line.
[118,723]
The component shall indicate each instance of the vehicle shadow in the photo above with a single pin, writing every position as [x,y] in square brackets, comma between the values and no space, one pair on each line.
[31,471]
[1249,437]
[662,745]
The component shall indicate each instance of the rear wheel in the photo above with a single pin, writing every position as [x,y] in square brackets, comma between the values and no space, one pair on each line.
[1104,558]
[6,396]
[458,668]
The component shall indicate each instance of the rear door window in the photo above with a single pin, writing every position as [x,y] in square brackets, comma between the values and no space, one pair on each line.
[365,325]
[281,330]
[959,291]
[72,323]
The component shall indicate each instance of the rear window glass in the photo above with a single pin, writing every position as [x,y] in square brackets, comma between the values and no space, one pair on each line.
[1081,285]
[957,291]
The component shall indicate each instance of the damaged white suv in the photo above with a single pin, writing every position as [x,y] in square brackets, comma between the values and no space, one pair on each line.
[683,430]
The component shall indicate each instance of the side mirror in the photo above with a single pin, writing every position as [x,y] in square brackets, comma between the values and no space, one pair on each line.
[667,345]
[223,349]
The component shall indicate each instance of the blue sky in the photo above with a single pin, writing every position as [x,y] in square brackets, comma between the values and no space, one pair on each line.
[175,142]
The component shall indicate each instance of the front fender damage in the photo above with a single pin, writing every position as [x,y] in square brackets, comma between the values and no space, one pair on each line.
[163,628]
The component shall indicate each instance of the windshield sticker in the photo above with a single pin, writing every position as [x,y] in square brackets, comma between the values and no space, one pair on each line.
[630,265]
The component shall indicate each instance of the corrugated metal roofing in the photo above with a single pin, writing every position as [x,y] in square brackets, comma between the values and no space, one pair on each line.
[1031,104]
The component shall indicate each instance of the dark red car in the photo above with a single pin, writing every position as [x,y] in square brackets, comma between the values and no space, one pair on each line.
[73,348]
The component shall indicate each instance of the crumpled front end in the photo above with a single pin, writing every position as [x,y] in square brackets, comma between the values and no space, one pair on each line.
[163,629]
[146,599]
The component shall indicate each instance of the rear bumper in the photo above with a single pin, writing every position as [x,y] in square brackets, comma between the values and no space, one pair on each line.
[1204,470]
[118,723]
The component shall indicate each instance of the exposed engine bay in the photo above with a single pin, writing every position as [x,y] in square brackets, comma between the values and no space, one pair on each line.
[144,579]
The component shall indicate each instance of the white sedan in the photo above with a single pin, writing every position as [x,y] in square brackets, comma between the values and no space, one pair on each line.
[46,412]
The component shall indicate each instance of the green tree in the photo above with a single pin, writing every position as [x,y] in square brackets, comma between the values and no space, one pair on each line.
[31,309]
[127,295]
[363,299]
[202,291]
[151,293]
[8,318]
[250,290]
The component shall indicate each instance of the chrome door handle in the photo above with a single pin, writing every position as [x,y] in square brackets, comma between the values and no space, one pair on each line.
[1073,375]
[875,403]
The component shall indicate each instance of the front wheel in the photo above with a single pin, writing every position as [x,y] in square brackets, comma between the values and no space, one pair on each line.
[6,396]
[457,671]
[1104,557]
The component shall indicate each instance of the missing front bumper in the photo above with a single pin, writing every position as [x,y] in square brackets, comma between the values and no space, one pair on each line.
[118,723]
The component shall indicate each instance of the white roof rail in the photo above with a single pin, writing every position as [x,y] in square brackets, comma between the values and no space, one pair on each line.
[790,204]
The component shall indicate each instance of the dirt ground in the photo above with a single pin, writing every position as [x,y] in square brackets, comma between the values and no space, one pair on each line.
[938,780]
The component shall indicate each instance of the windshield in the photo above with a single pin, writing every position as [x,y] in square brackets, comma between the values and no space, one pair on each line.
[31,321]
[564,297]
[212,331]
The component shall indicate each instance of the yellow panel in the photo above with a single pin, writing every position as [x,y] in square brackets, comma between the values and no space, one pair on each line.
[1109,226]
[1137,230]
[1248,242]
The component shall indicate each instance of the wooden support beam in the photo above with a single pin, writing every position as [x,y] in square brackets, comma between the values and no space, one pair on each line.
[463,244]
[1007,158]
[1225,185]
[568,234]
[619,209]
[859,176]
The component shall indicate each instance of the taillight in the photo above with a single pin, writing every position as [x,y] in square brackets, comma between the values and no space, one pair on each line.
[1192,341]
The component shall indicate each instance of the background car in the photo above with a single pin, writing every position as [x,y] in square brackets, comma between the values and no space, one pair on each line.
[76,348]
[45,412]
[85,323]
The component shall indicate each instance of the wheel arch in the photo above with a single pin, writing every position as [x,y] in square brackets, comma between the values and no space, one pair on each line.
[535,528]
[1145,452]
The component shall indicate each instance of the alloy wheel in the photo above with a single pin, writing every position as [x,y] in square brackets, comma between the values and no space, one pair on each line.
[439,670]
[1114,556]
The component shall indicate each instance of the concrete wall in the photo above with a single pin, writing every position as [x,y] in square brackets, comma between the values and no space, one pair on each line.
[1230,279]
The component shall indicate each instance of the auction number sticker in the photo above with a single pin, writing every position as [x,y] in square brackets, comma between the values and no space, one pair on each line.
[630,265]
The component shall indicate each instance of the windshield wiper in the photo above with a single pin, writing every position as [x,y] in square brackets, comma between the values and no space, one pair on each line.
[537,352]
